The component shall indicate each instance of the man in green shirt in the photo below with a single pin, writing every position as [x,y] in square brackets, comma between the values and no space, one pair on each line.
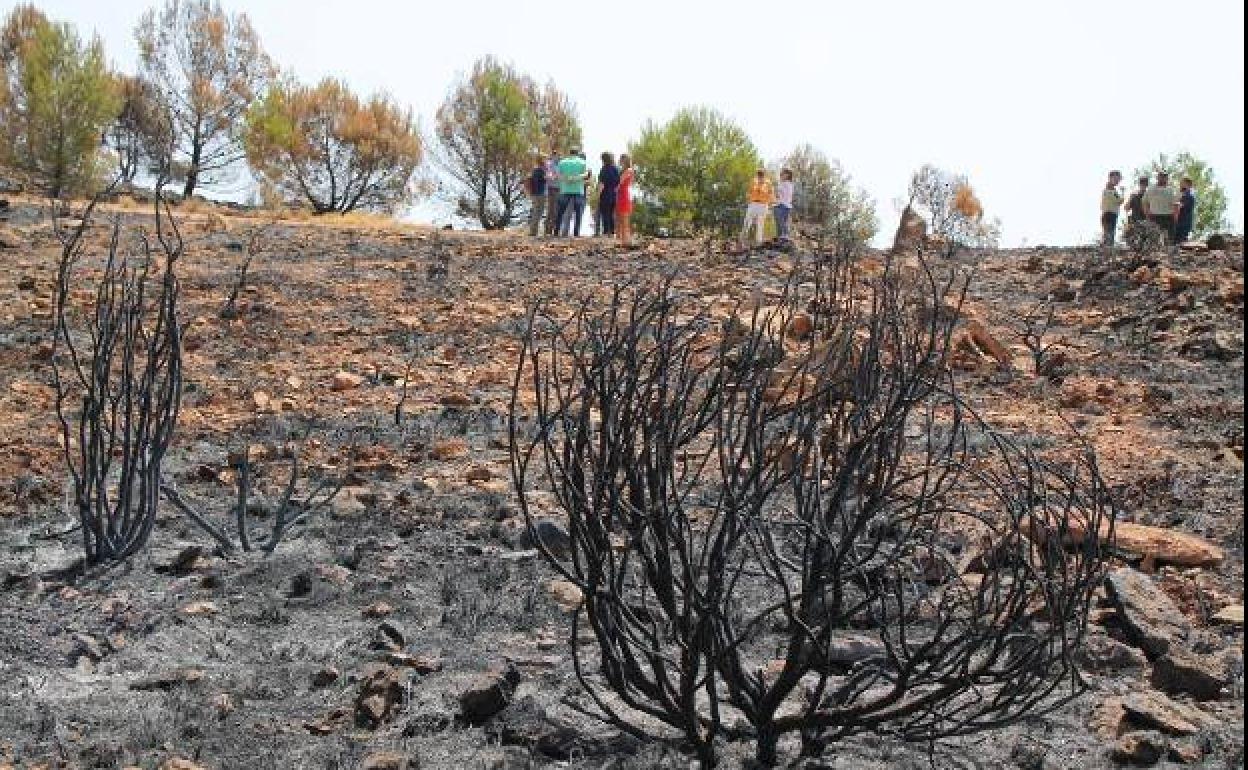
[573,171]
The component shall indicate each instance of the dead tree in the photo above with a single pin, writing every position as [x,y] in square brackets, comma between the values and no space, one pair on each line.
[117,369]
[815,538]
[229,311]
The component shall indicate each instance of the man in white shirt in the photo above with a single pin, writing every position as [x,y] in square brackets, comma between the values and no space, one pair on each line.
[784,204]
[1160,204]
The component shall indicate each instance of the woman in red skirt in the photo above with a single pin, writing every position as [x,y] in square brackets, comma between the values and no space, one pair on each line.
[624,203]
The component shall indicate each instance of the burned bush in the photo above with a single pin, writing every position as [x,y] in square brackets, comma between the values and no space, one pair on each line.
[117,368]
[787,525]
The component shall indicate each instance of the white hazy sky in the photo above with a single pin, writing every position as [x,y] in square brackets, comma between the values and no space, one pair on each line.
[1034,101]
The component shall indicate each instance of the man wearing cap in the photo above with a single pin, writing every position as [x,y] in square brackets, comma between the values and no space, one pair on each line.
[1186,219]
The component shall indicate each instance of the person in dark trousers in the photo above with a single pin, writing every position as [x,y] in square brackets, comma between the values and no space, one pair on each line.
[536,187]
[552,193]
[1111,202]
[1135,203]
[608,183]
[1186,219]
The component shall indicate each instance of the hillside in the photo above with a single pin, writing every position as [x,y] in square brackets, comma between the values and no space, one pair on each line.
[417,579]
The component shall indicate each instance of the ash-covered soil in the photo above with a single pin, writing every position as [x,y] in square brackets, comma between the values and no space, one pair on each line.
[415,583]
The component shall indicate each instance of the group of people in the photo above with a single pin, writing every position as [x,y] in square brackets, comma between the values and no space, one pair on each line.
[559,190]
[1173,212]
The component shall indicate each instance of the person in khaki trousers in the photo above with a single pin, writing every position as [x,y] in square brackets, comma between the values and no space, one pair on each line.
[760,199]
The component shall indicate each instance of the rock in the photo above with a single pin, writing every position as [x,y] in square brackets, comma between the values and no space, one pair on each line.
[911,230]
[381,691]
[1142,748]
[195,609]
[488,694]
[1217,242]
[1231,615]
[26,283]
[566,594]
[346,381]
[478,473]
[1101,653]
[1167,545]
[1142,275]
[262,400]
[1151,620]
[449,449]
[1063,291]
[548,533]
[1187,752]
[9,239]
[1108,719]
[1182,672]
[224,705]
[346,505]
[1153,710]
[389,636]
[378,610]
[167,680]
[525,723]
[390,760]
[86,646]
[177,763]
[456,400]
[984,340]
[421,664]
[801,326]
[325,676]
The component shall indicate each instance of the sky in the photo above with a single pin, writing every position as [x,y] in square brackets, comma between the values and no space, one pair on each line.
[1035,102]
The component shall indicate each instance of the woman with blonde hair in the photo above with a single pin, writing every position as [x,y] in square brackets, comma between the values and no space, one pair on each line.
[624,202]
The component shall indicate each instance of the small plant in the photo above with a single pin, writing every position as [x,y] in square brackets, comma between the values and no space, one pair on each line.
[289,511]
[118,380]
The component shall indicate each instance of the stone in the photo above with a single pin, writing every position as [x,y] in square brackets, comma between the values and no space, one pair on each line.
[1142,748]
[1181,672]
[984,340]
[381,692]
[801,326]
[262,400]
[1153,710]
[1102,653]
[1187,752]
[1167,546]
[378,610]
[489,694]
[26,283]
[456,400]
[566,594]
[548,533]
[196,609]
[325,676]
[9,239]
[168,680]
[389,637]
[1151,620]
[449,449]
[346,381]
[389,760]
[1231,615]
[420,664]
[177,763]
[1108,719]
[478,473]
[911,230]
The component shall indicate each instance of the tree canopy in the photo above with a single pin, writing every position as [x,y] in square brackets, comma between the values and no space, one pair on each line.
[338,152]
[489,128]
[58,95]
[693,172]
[207,68]
[827,204]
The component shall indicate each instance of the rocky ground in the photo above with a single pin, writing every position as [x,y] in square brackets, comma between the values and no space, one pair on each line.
[409,625]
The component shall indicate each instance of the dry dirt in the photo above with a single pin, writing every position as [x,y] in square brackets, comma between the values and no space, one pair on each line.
[253,662]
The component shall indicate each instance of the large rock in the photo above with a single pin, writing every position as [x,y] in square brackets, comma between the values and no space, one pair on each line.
[1153,710]
[489,694]
[1142,748]
[1167,546]
[1151,620]
[1182,672]
[380,695]
[911,230]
